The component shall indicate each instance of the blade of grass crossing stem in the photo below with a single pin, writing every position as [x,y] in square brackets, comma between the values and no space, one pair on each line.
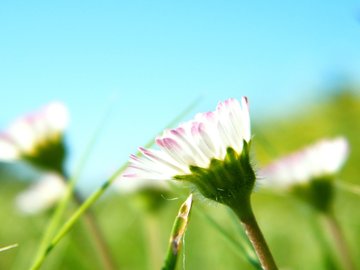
[177,234]
[60,209]
[240,248]
[8,247]
[94,197]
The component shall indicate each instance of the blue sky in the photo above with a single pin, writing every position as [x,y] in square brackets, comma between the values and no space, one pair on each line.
[149,59]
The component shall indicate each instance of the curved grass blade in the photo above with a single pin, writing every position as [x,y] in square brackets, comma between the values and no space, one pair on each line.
[93,198]
[242,250]
[178,231]
[64,202]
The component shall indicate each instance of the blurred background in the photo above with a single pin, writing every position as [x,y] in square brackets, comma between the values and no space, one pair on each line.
[130,68]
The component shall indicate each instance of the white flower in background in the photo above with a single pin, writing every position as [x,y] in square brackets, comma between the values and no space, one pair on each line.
[37,138]
[126,185]
[322,159]
[49,189]
[202,151]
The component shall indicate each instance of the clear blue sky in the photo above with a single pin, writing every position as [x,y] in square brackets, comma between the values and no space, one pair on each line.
[149,59]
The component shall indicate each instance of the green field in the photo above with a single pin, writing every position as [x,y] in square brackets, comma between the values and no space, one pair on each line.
[138,238]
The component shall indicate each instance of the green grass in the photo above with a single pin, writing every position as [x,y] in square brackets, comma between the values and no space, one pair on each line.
[286,223]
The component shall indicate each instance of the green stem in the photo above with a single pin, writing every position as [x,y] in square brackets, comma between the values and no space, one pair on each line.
[45,247]
[329,260]
[255,236]
[71,182]
[73,219]
[97,236]
[340,243]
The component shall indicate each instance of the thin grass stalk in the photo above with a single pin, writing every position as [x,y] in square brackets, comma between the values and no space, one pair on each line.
[240,248]
[95,232]
[60,209]
[340,242]
[74,218]
[93,198]
[8,247]
[329,261]
[177,234]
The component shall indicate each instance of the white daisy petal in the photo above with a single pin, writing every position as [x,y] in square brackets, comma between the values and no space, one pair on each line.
[8,151]
[56,116]
[195,143]
[324,158]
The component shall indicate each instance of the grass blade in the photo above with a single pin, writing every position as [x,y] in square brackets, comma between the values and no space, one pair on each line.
[62,205]
[178,231]
[8,247]
[92,199]
[240,248]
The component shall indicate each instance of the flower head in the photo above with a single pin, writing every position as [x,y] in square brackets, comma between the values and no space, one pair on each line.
[37,138]
[322,159]
[308,172]
[210,151]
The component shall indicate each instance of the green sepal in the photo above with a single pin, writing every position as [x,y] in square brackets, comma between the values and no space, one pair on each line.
[50,155]
[229,181]
[318,193]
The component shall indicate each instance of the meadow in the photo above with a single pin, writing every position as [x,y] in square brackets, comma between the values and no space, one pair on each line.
[137,226]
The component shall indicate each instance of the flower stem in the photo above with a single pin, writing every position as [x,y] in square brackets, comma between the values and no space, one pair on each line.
[255,236]
[97,236]
[340,243]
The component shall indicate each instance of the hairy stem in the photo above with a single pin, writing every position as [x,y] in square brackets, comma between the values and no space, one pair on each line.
[255,236]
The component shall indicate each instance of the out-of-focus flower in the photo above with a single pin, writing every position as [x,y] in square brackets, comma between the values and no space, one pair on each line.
[322,159]
[45,193]
[308,172]
[126,185]
[211,151]
[37,138]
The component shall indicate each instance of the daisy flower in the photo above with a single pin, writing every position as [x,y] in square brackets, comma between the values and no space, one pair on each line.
[210,151]
[322,159]
[37,138]
[308,172]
